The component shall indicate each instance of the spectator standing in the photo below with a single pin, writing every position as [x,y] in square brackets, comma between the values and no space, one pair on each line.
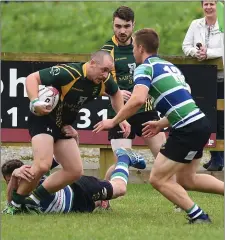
[204,40]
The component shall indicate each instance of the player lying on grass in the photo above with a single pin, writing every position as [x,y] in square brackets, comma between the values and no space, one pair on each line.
[83,195]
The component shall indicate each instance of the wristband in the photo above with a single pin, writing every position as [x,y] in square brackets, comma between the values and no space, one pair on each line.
[34,101]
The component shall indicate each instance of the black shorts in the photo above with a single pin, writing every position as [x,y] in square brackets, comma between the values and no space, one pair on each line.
[87,190]
[136,125]
[44,124]
[186,143]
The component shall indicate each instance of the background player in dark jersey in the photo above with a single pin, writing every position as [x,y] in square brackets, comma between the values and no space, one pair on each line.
[78,83]
[121,48]
[190,130]
[84,195]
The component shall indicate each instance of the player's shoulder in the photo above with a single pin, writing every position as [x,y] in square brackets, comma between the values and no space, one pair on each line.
[110,42]
[109,45]
[143,68]
[75,69]
[109,79]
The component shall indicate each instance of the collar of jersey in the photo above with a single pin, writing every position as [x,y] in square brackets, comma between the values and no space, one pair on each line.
[116,42]
[152,56]
[84,68]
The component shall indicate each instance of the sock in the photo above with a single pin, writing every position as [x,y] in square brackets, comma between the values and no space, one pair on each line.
[121,170]
[195,212]
[34,198]
[17,199]
[39,193]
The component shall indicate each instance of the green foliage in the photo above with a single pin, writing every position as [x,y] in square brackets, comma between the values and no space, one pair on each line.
[142,214]
[83,27]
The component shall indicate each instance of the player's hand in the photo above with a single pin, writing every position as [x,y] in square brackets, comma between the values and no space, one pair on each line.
[69,131]
[103,125]
[41,107]
[125,128]
[151,129]
[126,95]
[23,173]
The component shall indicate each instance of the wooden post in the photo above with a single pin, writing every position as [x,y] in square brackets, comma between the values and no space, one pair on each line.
[106,160]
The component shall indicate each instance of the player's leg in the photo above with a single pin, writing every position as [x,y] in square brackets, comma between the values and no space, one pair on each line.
[155,143]
[192,181]
[117,141]
[161,179]
[179,151]
[103,190]
[116,144]
[67,154]
[119,178]
[42,146]
[199,182]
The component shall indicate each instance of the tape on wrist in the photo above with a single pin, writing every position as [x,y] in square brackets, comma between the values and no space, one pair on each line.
[34,101]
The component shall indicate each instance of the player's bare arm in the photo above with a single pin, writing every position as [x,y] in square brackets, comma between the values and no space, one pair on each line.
[19,173]
[137,99]
[117,101]
[32,83]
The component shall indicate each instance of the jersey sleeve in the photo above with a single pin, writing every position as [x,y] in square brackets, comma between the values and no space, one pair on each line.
[143,75]
[111,86]
[59,75]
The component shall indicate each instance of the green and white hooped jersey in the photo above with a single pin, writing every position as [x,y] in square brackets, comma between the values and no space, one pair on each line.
[59,202]
[168,90]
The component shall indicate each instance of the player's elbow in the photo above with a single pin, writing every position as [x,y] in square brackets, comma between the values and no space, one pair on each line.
[140,100]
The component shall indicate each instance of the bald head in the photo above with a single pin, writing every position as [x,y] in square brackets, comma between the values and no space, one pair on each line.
[101,56]
[99,66]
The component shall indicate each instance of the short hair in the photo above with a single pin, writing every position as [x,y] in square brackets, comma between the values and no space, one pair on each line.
[148,38]
[9,166]
[99,56]
[124,13]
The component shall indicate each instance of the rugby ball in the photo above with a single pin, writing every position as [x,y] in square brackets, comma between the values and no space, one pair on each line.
[49,95]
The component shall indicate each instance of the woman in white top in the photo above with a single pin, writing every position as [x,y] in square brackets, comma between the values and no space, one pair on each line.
[206,32]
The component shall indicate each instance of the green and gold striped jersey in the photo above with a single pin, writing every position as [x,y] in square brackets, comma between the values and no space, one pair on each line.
[124,66]
[75,89]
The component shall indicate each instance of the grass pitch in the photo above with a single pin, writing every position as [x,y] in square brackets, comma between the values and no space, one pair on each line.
[142,214]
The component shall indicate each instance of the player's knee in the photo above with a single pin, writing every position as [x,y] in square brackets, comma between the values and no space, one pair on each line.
[155,181]
[42,168]
[74,174]
[123,190]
